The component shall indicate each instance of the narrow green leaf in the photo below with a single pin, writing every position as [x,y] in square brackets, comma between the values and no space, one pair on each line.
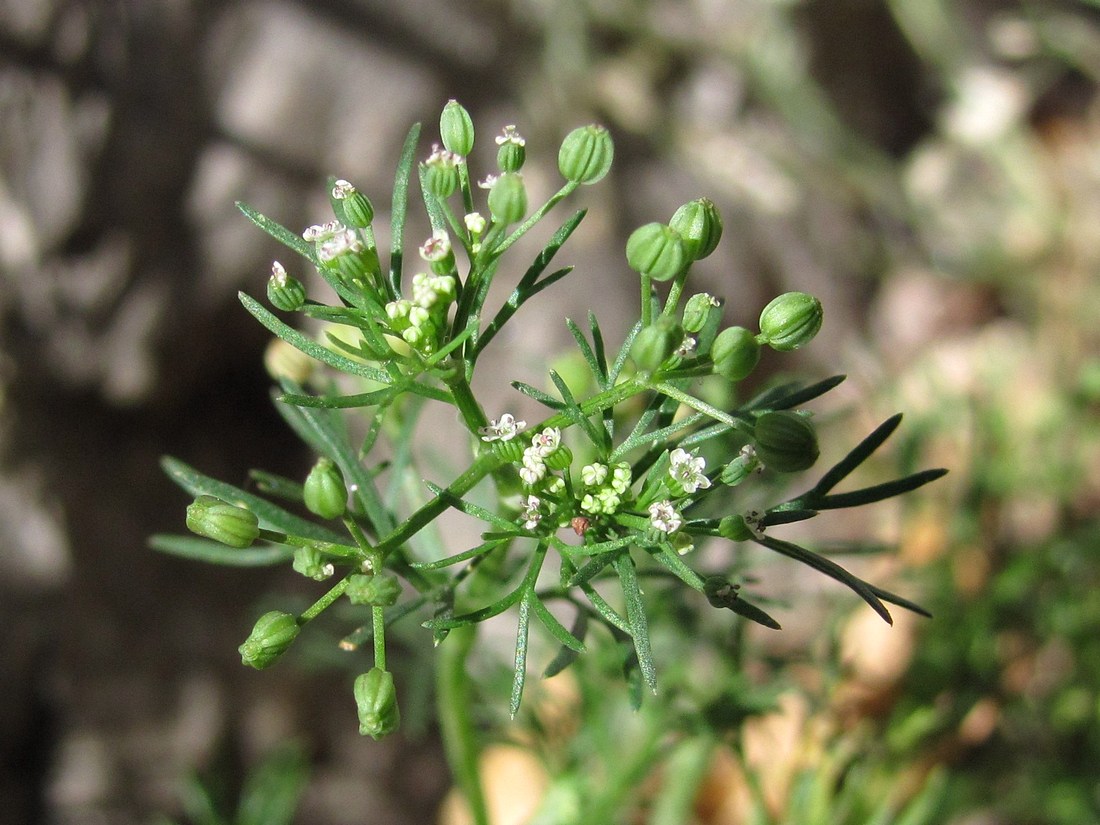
[590,570]
[556,628]
[779,516]
[830,569]
[595,549]
[280,233]
[793,394]
[400,207]
[324,430]
[275,485]
[487,612]
[857,456]
[519,676]
[309,346]
[471,509]
[271,516]
[598,348]
[678,567]
[623,354]
[520,295]
[635,615]
[751,612]
[603,609]
[654,438]
[586,351]
[567,655]
[538,395]
[458,558]
[211,552]
[342,402]
[878,492]
[596,435]
[900,601]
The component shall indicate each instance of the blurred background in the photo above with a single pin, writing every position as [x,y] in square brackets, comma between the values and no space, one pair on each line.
[929,168]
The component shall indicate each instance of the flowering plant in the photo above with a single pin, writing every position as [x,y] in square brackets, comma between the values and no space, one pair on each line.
[628,473]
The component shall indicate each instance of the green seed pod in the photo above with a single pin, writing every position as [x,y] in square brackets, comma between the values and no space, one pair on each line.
[735,353]
[700,227]
[510,156]
[586,153]
[697,310]
[310,562]
[741,467]
[352,207]
[786,441]
[324,492]
[790,321]
[508,199]
[735,528]
[441,176]
[510,450]
[284,291]
[561,458]
[456,128]
[376,700]
[269,639]
[655,343]
[223,522]
[656,250]
[381,589]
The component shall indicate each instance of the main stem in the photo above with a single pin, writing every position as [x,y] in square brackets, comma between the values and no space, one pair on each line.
[454,706]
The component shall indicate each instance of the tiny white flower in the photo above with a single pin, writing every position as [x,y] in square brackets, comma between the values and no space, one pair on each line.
[342,189]
[504,429]
[278,272]
[531,473]
[322,231]
[621,478]
[436,247]
[475,222]
[530,513]
[593,475]
[547,441]
[663,517]
[753,520]
[489,182]
[687,470]
[443,157]
[686,348]
[340,243]
[554,485]
[510,135]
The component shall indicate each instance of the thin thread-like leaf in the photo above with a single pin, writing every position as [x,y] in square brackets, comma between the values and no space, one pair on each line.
[774,517]
[538,395]
[623,354]
[399,207]
[567,655]
[519,675]
[556,628]
[830,569]
[878,492]
[280,233]
[635,615]
[275,485]
[596,435]
[458,558]
[480,615]
[586,351]
[328,434]
[605,611]
[271,516]
[793,394]
[469,508]
[310,347]
[862,451]
[211,552]
[678,567]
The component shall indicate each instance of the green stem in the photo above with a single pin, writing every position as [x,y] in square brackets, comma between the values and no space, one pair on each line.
[674,292]
[379,621]
[700,406]
[456,722]
[536,216]
[319,606]
[647,301]
[472,414]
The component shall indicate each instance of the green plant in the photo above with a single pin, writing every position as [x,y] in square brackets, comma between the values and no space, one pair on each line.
[634,466]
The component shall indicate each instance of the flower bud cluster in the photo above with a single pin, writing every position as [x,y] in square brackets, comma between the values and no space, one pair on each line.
[606,487]
[422,320]
[342,252]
